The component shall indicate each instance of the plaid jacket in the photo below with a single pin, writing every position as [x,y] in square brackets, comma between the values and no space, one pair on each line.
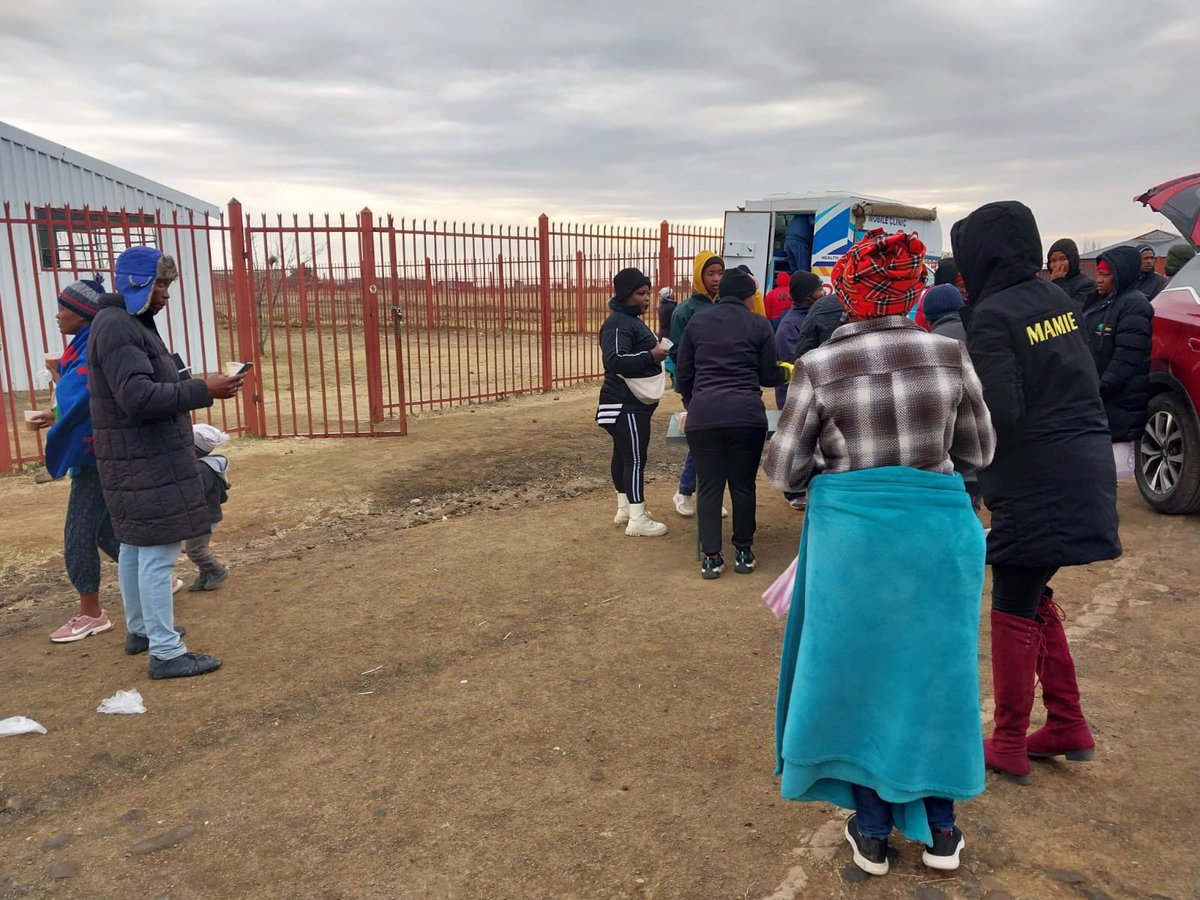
[881,392]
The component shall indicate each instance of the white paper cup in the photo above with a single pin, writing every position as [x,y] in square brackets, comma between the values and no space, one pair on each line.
[232,369]
[666,343]
[52,360]
[31,419]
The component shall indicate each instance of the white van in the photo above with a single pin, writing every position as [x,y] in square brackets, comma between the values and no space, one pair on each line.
[786,232]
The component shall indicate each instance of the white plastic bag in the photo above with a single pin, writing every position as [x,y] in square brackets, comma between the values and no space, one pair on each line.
[19,725]
[1123,457]
[122,703]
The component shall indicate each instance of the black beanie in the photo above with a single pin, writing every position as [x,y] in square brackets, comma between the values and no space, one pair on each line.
[627,281]
[737,283]
[802,286]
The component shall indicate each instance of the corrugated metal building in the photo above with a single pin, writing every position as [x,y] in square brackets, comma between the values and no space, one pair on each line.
[68,216]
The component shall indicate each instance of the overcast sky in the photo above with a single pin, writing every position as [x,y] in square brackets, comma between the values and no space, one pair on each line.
[494,111]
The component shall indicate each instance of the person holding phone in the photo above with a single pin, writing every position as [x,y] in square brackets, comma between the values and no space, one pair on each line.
[142,437]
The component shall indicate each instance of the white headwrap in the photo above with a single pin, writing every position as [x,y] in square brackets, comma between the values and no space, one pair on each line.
[208,438]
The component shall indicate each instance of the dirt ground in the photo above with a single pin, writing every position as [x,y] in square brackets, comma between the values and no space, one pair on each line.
[516,700]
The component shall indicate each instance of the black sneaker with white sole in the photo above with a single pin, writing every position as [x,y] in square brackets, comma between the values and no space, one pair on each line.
[139,643]
[943,855]
[712,567]
[743,562]
[185,666]
[870,854]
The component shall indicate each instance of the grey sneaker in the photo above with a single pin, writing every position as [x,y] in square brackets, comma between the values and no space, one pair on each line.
[139,643]
[209,580]
[184,666]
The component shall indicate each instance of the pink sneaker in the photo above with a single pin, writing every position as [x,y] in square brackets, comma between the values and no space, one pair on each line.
[79,627]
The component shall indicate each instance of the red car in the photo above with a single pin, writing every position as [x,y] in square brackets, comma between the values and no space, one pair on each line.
[1168,454]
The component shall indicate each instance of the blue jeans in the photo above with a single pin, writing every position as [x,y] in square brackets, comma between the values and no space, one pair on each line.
[875,813]
[146,575]
[687,478]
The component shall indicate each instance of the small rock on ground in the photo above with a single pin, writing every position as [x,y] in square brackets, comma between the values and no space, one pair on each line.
[57,842]
[1067,876]
[62,870]
[853,874]
[164,840]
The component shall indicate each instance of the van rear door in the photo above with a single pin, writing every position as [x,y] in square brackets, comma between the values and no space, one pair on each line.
[748,243]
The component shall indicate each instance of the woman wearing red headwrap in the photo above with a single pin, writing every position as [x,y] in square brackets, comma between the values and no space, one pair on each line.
[878,707]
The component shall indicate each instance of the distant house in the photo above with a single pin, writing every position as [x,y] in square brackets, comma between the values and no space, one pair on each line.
[67,216]
[1160,240]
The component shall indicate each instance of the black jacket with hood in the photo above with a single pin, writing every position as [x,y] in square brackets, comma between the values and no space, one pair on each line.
[1118,330]
[141,430]
[1078,286]
[1052,486]
[625,343]
[725,358]
[823,319]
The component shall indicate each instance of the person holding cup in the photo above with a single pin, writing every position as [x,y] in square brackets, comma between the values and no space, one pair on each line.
[142,430]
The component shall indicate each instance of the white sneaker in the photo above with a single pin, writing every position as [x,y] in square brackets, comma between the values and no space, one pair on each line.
[622,516]
[684,505]
[640,523]
[176,585]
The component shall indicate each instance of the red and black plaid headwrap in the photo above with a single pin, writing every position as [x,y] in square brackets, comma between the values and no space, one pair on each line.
[881,275]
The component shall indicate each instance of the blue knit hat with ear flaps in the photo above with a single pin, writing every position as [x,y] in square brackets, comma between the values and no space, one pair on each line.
[136,271]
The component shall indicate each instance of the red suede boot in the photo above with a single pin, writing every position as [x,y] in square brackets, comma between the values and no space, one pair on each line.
[1066,732]
[1014,661]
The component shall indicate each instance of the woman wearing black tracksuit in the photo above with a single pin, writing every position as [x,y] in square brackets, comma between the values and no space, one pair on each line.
[631,351]
[724,358]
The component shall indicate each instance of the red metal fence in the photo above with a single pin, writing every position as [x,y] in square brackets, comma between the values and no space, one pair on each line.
[351,323]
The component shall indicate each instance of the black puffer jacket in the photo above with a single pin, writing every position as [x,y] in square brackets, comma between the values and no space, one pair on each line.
[823,319]
[142,432]
[625,343]
[1052,486]
[1118,330]
[1077,285]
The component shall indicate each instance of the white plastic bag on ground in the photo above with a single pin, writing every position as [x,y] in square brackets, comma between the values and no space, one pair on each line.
[19,725]
[122,703]
[1123,457]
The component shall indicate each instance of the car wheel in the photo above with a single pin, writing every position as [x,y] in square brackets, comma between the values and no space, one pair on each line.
[1168,456]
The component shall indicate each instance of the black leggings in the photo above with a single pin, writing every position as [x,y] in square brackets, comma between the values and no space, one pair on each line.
[1017,590]
[88,527]
[726,456]
[631,439]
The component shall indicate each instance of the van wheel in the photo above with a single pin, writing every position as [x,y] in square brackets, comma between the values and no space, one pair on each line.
[1167,457]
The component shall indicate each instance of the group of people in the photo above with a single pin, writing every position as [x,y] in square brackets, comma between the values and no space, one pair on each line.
[144,480]
[898,418]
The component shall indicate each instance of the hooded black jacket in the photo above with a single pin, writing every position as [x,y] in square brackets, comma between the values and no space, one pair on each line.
[725,356]
[1148,284]
[625,343]
[1118,330]
[1078,286]
[1052,485]
[818,326]
[141,430]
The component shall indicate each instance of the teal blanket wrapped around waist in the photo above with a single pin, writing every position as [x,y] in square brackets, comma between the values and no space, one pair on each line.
[879,676]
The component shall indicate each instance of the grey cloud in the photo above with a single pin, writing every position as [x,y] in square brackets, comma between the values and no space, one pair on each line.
[634,112]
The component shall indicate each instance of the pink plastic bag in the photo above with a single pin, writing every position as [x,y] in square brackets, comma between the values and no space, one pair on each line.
[778,596]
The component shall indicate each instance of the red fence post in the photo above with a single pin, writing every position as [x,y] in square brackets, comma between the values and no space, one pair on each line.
[370,312]
[397,326]
[580,295]
[666,271]
[544,300]
[247,321]
[428,293]
[500,287]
